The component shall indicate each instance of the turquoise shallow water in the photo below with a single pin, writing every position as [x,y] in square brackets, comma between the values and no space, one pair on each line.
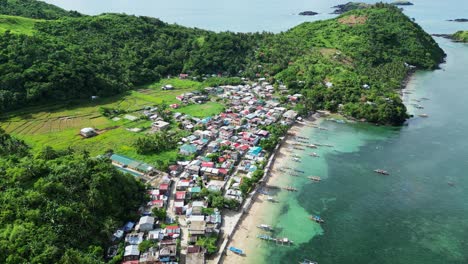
[411,216]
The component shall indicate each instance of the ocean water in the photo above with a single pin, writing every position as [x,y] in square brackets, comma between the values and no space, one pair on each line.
[412,216]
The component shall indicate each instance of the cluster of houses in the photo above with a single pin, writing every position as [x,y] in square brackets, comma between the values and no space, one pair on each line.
[163,241]
[221,151]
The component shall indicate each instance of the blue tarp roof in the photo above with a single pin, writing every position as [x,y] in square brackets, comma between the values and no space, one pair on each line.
[128,226]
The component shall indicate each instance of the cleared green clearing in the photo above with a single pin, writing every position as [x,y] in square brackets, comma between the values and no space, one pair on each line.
[58,125]
[17,25]
[203,110]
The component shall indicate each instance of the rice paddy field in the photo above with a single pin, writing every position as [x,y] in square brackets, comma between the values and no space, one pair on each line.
[58,125]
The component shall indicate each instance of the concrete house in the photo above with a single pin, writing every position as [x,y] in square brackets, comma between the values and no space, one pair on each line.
[131,253]
[88,132]
[146,223]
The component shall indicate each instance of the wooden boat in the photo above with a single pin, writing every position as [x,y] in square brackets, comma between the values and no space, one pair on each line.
[383,172]
[425,98]
[306,261]
[296,160]
[290,188]
[423,115]
[317,219]
[313,154]
[299,148]
[301,171]
[265,227]
[236,250]
[314,178]
[312,146]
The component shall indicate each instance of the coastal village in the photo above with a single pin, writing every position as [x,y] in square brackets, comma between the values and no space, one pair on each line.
[184,220]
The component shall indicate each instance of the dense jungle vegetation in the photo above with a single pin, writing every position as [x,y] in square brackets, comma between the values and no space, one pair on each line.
[60,206]
[77,56]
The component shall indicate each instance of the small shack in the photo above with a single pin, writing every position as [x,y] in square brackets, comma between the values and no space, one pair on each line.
[88,132]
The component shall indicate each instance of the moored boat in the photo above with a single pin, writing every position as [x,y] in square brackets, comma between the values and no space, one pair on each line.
[314,154]
[236,250]
[314,178]
[317,219]
[423,115]
[383,172]
[265,227]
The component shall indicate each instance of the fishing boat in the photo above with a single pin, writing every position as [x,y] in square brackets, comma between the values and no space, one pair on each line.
[296,156]
[283,241]
[265,227]
[423,115]
[301,171]
[236,250]
[315,178]
[290,188]
[298,148]
[383,172]
[424,98]
[296,159]
[313,154]
[312,146]
[301,137]
[317,219]
[265,237]
[306,261]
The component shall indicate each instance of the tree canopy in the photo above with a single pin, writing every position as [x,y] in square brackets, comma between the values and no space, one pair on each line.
[60,208]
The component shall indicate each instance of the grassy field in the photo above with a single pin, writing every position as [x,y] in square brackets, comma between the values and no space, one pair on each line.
[59,125]
[17,25]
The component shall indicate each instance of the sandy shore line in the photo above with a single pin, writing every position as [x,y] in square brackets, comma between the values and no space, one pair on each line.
[262,210]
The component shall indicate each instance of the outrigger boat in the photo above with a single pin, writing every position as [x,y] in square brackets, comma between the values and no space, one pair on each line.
[301,171]
[290,188]
[302,137]
[311,146]
[265,227]
[299,148]
[306,261]
[424,98]
[297,159]
[314,178]
[313,154]
[281,241]
[317,219]
[423,115]
[383,172]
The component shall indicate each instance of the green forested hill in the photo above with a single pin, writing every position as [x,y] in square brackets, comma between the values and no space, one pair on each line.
[72,58]
[461,36]
[34,9]
[59,207]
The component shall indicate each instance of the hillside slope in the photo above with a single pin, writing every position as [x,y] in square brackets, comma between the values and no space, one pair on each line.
[72,58]
[34,9]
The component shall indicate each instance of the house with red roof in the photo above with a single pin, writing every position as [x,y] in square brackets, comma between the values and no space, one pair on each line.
[164,188]
[172,231]
[180,195]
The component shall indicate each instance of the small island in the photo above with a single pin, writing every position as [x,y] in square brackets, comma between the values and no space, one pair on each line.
[459,20]
[340,9]
[460,36]
[308,13]
[402,3]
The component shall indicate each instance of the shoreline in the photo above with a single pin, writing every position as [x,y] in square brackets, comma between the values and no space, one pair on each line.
[256,212]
